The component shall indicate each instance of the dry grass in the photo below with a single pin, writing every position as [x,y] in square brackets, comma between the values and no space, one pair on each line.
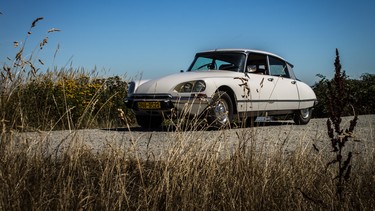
[198,174]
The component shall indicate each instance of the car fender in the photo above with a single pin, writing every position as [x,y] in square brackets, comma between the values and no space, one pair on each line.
[133,86]
[306,94]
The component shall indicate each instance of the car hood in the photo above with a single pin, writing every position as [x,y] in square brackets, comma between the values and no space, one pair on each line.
[168,83]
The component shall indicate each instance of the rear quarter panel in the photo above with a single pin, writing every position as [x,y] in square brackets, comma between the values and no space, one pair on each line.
[306,95]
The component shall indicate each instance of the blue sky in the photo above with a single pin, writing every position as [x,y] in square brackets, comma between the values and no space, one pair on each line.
[155,38]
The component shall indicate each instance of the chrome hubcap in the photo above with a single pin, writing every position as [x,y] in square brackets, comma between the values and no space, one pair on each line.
[305,113]
[221,112]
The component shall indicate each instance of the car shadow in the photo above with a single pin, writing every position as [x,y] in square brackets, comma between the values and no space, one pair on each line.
[174,129]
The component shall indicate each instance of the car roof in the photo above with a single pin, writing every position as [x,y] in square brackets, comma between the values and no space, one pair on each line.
[239,50]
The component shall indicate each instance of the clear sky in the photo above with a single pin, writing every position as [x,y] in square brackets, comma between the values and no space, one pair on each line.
[156,38]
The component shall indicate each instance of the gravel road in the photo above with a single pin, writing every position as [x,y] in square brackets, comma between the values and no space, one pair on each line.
[282,135]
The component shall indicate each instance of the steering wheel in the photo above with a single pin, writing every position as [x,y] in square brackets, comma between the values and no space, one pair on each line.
[210,66]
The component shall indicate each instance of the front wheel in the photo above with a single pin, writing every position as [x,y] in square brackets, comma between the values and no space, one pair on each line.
[303,116]
[221,110]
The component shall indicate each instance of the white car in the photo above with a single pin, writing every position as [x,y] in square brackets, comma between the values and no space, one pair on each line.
[223,86]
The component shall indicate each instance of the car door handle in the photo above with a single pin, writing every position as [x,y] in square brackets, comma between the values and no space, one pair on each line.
[270,79]
[293,82]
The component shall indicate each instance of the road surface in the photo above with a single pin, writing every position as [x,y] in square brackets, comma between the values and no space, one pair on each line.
[267,136]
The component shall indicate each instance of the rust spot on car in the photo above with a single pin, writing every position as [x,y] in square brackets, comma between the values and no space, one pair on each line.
[245,87]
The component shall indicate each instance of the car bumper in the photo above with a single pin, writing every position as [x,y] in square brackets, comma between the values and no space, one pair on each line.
[164,103]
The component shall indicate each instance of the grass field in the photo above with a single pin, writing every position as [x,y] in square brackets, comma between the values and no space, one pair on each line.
[198,174]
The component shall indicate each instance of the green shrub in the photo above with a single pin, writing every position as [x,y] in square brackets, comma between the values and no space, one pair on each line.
[70,100]
[360,94]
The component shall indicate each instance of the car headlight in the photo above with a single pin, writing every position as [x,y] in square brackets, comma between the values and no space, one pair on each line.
[199,86]
[191,86]
[187,87]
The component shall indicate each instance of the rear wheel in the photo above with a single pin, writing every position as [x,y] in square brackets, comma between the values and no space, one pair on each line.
[221,110]
[148,122]
[303,116]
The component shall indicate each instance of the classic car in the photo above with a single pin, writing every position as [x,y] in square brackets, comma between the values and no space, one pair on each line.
[223,86]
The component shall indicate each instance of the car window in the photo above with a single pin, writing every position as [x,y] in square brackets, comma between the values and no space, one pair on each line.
[278,67]
[291,72]
[202,63]
[256,63]
[218,61]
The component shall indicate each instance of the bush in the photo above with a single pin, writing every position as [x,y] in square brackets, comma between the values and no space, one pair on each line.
[360,94]
[67,100]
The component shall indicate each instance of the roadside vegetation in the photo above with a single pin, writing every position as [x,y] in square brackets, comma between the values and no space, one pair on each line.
[53,99]
[194,174]
[360,94]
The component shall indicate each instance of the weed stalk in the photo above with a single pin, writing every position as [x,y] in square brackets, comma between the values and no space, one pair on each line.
[338,101]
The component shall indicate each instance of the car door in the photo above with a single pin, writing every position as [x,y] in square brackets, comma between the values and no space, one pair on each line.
[285,84]
[264,92]
[262,86]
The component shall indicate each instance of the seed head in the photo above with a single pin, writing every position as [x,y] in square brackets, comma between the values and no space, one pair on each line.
[35,21]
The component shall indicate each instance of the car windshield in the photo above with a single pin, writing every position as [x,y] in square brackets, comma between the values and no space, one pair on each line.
[218,61]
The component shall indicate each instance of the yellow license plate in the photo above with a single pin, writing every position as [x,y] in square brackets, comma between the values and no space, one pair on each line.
[149,105]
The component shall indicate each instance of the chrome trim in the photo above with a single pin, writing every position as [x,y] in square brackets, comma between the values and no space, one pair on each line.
[275,100]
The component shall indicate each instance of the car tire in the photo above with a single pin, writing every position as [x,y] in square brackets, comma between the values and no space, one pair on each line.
[220,113]
[303,116]
[148,121]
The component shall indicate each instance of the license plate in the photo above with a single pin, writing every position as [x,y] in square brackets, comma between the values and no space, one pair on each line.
[149,105]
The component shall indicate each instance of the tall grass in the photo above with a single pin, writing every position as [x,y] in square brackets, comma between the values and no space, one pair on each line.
[34,97]
[62,99]
[194,173]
